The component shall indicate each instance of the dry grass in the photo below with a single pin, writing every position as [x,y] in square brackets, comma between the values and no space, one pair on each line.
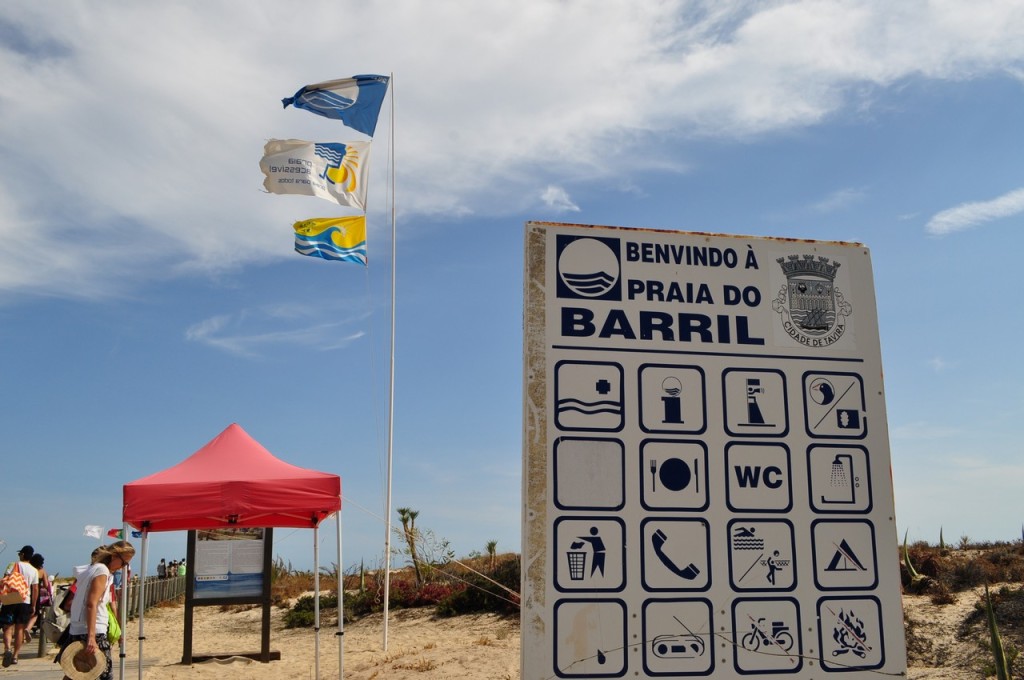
[420,666]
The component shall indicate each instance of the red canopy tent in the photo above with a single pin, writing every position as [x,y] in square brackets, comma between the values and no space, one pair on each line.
[232,482]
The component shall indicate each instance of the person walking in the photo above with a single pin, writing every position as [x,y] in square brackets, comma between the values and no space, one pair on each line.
[15,617]
[45,595]
[89,616]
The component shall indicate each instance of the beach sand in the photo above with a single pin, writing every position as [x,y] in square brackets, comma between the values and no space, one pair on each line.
[419,646]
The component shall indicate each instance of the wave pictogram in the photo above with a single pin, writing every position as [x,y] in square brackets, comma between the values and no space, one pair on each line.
[589,285]
[589,407]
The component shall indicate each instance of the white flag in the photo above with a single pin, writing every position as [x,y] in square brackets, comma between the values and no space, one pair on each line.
[94,531]
[333,171]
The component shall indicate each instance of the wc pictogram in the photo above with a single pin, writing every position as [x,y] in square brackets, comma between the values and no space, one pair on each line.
[759,477]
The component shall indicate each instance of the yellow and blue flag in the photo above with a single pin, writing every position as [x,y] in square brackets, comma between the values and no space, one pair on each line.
[332,238]
[355,101]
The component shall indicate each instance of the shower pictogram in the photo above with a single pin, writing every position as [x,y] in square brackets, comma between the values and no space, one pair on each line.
[842,482]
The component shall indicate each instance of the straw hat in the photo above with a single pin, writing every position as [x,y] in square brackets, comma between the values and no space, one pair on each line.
[79,665]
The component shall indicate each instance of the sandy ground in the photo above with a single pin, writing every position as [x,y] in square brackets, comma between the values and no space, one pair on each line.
[481,647]
[934,647]
[419,646]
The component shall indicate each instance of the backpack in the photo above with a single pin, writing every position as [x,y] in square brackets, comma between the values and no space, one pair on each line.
[13,588]
[55,619]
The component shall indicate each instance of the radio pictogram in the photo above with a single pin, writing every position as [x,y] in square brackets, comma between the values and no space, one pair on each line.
[679,637]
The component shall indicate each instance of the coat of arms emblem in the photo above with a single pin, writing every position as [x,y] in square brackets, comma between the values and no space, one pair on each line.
[812,308]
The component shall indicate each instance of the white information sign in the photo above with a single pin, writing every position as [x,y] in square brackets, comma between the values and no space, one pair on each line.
[706,485]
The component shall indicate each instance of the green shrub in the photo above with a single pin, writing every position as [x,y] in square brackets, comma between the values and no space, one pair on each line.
[301,614]
[481,595]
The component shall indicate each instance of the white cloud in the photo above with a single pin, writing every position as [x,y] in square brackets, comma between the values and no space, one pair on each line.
[938,364]
[243,333]
[839,200]
[970,215]
[558,199]
[152,148]
[919,431]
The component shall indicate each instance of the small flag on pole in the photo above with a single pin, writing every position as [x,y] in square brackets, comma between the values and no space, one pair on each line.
[332,238]
[354,101]
[93,531]
[115,533]
[332,171]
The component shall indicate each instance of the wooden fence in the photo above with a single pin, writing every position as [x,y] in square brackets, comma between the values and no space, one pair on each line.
[157,590]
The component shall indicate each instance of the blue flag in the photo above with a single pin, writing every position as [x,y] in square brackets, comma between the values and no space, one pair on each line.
[354,101]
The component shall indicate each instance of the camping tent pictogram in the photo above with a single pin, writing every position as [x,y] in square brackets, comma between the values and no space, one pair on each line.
[844,558]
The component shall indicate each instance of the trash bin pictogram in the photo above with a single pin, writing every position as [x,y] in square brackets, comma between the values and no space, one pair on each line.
[577,564]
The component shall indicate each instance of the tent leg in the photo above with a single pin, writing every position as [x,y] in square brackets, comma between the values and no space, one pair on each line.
[122,609]
[316,600]
[341,604]
[142,596]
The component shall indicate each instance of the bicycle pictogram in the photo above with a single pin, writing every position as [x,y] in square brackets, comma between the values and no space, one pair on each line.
[778,636]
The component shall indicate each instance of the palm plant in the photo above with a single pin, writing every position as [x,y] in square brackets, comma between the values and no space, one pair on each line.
[408,517]
[492,547]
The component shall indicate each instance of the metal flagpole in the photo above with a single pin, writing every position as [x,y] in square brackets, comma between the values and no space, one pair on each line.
[391,380]
[341,602]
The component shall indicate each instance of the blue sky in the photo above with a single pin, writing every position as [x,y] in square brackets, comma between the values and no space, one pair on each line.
[150,297]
